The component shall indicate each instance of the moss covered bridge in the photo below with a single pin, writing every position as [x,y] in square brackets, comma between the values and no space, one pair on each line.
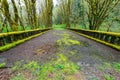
[60,55]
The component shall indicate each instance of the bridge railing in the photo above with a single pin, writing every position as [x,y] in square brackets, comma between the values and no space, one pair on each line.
[6,38]
[108,37]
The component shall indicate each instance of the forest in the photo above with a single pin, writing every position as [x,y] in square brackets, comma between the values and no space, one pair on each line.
[59,39]
[18,15]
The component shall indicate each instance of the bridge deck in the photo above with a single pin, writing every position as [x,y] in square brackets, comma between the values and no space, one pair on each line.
[44,48]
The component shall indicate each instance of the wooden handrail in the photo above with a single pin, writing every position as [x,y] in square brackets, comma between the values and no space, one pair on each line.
[6,38]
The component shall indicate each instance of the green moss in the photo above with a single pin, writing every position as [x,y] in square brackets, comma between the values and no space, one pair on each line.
[20,32]
[59,27]
[17,32]
[2,65]
[66,40]
[73,52]
[74,42]
[117,66]
[109,77]
[107,65]
[57,69]
[33,65]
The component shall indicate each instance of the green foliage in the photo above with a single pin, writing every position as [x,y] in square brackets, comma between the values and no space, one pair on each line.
[117,66]
[59,27]
[2,65]
[107,65]
[32,66]
[109,77]
[113,28]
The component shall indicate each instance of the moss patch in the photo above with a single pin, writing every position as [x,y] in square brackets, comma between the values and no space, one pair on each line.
[109,77]
[60,69]
[66,40]
[2,65]
[117,66]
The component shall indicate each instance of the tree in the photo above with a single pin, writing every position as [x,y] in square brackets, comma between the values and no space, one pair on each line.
[65,6]
[2,23]
[16,16]
[34,17]
[20,16]
[6,13]
[98,11]
[46,12]
[76,12]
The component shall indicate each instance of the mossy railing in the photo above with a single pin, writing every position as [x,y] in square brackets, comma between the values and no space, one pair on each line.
[108,38]
[8,40]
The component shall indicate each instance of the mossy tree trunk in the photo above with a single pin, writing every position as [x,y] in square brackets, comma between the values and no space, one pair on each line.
[46,12]
[83,14]
[1,23]
[28,10]
[1,19]
[98,11]
[31,12]
[34,21]
[15,24]
[65,8]
[49,13]
[68,13]
[6,13]
[21,17]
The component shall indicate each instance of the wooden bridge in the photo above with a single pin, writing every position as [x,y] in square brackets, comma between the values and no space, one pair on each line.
[89,48]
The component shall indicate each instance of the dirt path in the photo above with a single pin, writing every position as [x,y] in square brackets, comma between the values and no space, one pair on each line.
[89,55]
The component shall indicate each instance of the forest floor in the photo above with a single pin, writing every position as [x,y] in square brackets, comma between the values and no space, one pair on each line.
[60,53]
